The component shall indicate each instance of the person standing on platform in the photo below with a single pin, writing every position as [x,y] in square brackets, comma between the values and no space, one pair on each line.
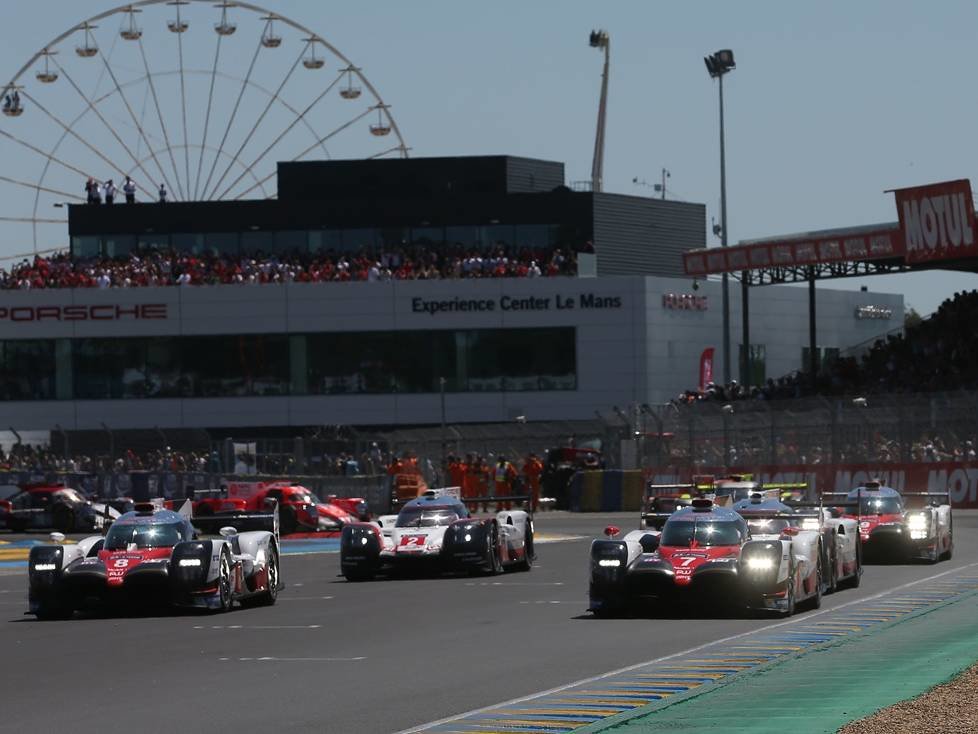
[129,189]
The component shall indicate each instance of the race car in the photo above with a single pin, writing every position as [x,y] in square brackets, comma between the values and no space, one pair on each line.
[895,526]
[152,556]
[661,500]
[300,510]
[437,533]
[840,549]
[704,553]
[47,506]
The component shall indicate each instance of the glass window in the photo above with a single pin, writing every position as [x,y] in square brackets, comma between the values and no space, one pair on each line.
[110,369]
[359,239]
[188,242]
[325,239]
[498,235]
[27,370]
[521,359]
[225,243]
[428,236]
[253,242]
[118,245]
[536,235]
[152,241]
[393,237]
[86,246]
[465,236]
[292,240]
[228,366]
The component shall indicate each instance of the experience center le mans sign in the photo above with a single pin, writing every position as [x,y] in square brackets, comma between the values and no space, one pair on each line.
[583,301]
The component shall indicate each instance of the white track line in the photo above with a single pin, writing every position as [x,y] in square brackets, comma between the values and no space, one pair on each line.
[628,668]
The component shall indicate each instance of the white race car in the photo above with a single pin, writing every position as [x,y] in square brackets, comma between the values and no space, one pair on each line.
[153,556]
[436,533]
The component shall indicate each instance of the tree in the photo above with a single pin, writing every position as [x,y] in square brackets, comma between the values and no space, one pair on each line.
[911,319]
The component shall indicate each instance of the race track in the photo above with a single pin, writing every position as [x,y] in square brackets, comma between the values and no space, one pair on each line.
[338,657]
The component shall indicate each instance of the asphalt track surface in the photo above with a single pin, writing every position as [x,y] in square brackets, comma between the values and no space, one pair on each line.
[332,656]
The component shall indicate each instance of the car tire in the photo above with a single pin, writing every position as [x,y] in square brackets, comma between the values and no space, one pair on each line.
[950,548]
[493,565]
[816,601]
[833,580]
[287,522]
[856,578]
[527,562]
[63,518]
[790,609]
[224,590]
[267,598]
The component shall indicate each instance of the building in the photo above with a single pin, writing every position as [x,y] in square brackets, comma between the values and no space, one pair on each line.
[382,353]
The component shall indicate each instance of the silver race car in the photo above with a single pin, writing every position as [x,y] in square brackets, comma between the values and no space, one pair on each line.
[152,556]
[436,533]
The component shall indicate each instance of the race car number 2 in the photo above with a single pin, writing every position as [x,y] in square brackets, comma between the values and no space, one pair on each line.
[413,541]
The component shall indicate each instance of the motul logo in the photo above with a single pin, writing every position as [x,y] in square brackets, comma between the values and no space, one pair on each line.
[938,221]
[143,311]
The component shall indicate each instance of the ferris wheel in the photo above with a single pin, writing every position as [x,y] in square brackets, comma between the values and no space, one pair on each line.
[201,97]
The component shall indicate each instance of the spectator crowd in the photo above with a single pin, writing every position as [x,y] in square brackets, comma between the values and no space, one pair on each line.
[172,268]
[938,354]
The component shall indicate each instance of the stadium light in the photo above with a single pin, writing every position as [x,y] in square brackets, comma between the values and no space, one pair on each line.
[719,64]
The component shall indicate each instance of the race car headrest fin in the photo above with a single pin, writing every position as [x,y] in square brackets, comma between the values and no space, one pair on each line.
[872,484]
[702,505]
[756,498]
[144,508]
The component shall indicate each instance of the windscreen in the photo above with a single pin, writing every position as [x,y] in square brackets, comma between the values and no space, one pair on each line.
[881,506]
[415,518]
[770,526]
[689,533]
[157,535]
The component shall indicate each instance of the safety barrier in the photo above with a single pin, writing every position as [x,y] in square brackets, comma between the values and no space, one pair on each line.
[612,490]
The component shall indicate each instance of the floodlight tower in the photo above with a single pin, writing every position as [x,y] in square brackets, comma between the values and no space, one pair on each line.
[600,39]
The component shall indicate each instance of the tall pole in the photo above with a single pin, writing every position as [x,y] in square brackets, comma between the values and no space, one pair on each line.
[723,243]
[600,39]
[444,439]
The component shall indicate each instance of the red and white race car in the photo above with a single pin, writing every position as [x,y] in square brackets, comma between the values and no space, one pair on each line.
[299,508]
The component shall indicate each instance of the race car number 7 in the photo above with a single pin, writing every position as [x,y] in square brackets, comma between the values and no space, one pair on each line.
[688,561]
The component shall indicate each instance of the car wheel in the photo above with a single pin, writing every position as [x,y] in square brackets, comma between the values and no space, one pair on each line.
[856,577]
[790,607]
[287,522]
[816,601]
[268,597]
[492,564]
[833,580]
[527,563]
[224,582]
[950,548]
[63,518]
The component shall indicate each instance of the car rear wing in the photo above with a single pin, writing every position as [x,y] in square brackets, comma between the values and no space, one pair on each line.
[761,515]
[241,521]
[858,504]
[523,499]
[787,487]
[945,496]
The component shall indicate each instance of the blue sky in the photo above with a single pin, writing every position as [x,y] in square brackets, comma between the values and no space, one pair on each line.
[831,103]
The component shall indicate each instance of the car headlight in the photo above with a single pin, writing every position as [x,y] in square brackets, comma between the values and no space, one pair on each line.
[917,522]
[760,563]
[188,562]
[468,537]
[609,563]
[46,567]
[810,523]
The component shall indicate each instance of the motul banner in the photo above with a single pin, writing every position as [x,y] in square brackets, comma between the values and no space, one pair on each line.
[706,368]
[937,222]
[959,479]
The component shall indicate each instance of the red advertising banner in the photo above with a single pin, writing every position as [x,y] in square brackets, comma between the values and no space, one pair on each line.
[706,368]
[845,247]
[937,222]
[960,479]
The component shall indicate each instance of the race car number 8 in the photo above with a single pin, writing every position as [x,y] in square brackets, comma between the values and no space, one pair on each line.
[121,563]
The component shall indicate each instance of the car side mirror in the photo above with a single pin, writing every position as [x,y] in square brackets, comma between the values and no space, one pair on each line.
[57,537]
[228,532]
